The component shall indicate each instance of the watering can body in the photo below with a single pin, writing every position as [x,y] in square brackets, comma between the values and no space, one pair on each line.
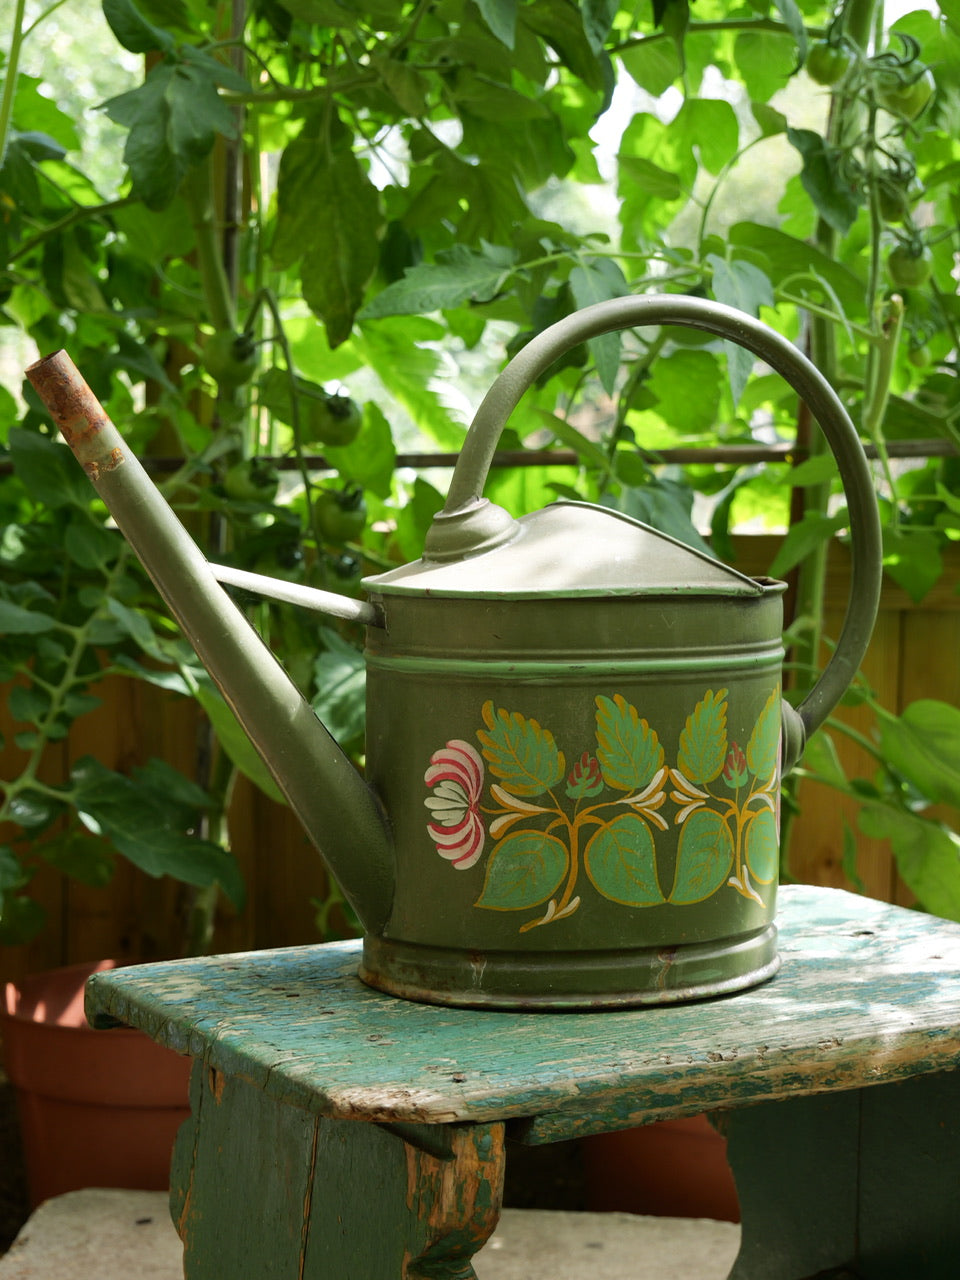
[576,728]
[582,777]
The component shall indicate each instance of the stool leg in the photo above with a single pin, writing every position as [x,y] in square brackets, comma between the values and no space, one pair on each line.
[795,1162]
[910,1179]
[864,1184]
[267,1191]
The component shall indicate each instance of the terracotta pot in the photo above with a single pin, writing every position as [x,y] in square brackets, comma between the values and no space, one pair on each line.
[97,1108]
[673,1169]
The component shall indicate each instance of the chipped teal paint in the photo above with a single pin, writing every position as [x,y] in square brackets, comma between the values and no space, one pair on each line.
[847,1158]
[867,993]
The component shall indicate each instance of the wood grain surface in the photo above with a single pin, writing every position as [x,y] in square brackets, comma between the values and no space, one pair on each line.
[868,993]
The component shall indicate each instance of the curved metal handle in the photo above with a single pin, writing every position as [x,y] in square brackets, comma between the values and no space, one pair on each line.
[469,524]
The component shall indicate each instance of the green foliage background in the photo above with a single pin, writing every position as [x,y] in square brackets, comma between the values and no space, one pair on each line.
[384,198]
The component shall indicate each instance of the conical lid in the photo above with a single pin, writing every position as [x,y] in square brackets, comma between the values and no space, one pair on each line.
[572,549]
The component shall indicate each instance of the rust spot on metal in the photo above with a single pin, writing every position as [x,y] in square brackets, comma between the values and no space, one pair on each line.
[78,414]
[96,466]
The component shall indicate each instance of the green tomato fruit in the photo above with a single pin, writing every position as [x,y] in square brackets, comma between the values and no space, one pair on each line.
[339,515]
[908,268]
[827,63]
[334,421]
[230,358]
[251,480]
[919,357]
[285,560]
[905,97]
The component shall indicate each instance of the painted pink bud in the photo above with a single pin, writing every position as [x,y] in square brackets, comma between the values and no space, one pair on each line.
[735,768]
[584,778]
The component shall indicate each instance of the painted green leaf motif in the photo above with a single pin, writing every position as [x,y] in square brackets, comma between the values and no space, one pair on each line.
[523,870]
[762,846]
[764,745]
[520,753]
[704,857]
[628,750]
[621,863]
[703,742]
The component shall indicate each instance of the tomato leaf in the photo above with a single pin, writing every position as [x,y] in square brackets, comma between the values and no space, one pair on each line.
[173,118]
[742,285]
[923,744]
[132,29]
[598,281]
[459,276]
[927,854]
[329,220]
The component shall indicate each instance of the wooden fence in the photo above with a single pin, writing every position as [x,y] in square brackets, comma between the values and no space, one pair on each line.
[915,654]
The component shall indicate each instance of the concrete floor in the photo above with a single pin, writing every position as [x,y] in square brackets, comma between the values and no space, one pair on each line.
[127,1235]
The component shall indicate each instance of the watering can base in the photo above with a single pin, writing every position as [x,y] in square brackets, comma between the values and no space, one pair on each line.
[550,980]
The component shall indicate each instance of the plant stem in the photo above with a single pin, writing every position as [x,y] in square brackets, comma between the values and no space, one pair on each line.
[723,24]
[79,214]
[203,906]
[858,18]
[197,191]
[27,779]
[10,83]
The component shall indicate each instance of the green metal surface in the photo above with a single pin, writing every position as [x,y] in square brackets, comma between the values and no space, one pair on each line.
[601,847]
[464,526]
[572,549]
[575,729]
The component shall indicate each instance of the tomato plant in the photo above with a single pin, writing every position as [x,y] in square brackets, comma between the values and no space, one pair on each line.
[908,266]
[230,358]
[905,96]
[339,515]
[334,421]
[827,63]
[252,480]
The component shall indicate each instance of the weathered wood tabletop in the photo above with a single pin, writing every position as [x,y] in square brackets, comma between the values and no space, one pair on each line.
[868,993]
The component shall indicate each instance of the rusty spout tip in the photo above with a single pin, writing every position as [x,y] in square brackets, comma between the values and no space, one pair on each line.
[77,412]
[54,355]
[56,367]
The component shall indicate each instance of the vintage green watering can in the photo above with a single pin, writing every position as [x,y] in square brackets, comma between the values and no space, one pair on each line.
[575,729]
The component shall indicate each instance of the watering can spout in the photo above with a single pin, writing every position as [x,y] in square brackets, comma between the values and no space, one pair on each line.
[339,811]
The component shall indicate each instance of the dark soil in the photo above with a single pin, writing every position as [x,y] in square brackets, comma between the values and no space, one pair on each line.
[13,1183]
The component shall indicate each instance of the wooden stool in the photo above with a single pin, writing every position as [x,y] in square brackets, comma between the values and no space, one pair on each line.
[341,1134]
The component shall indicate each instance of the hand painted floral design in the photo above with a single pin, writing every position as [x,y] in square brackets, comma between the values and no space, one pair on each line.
[599,820]
[455,775]
[584,778]
[724,838]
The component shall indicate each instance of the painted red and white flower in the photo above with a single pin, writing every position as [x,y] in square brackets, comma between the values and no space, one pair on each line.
[456,827]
